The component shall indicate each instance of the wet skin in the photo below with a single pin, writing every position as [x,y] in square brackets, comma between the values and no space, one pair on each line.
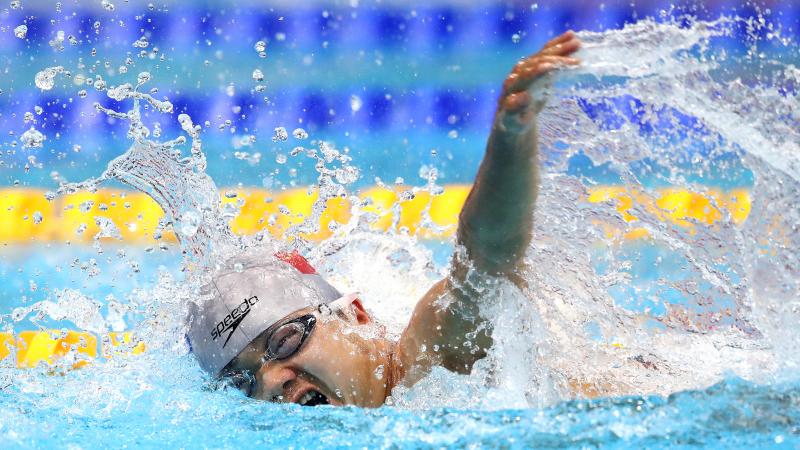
[347,359]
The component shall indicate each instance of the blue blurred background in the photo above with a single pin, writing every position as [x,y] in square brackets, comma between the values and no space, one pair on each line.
[400,84]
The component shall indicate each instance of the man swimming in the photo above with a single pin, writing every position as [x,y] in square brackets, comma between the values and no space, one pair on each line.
[279,332]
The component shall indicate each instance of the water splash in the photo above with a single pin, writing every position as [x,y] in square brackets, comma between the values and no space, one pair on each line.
[680,111]
[179,184]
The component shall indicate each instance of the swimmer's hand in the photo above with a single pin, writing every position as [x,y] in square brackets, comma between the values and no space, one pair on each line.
[523,95]
[496,221]
[494,227]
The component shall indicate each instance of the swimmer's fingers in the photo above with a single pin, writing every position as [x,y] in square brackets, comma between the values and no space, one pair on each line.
[559,39]
[563,47]
[531,69]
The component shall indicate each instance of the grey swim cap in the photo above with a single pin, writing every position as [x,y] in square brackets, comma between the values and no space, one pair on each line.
[246,298]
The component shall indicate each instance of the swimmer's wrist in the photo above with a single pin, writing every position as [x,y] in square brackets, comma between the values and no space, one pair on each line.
[515,122]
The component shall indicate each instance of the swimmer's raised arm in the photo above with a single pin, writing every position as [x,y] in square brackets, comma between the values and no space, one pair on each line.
[496,221]
[495,225]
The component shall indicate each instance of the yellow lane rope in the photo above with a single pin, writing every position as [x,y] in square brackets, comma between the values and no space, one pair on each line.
[26,215]
[30,348]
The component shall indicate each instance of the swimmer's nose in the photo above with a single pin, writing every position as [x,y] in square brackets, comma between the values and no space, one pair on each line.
[275,381]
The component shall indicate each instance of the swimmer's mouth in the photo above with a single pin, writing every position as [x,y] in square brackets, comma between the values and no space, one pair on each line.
[313,398]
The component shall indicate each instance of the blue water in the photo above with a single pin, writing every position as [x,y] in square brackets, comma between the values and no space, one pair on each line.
[419,83]
[169,411]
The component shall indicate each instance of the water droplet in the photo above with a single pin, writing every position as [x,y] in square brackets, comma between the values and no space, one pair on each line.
[189,223]
[260,47]
[32,139]
[142,42]
[258,75]
[16,4]
[300,133]
[108,229]
[21,31]
[515,38]
[37,217]
[58,42]
[86,206]
[280,135]
[45,80]
[107,5]
[280,158]
[143,78]
[355,103]
[38,110]
[379,372]
[407,195]
[120,92]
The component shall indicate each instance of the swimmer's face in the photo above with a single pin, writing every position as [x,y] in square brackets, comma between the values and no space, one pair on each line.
[336,364]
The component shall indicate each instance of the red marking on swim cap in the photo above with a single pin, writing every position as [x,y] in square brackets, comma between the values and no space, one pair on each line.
[297,261]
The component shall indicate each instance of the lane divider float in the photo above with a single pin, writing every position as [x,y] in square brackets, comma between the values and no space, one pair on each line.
[26,215]
[29,349]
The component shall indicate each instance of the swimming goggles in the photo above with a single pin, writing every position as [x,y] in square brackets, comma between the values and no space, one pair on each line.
[284,340]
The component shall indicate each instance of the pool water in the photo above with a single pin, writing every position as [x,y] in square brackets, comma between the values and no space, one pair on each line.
[665,232]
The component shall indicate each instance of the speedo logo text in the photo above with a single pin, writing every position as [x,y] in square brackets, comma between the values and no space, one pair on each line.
[232,321]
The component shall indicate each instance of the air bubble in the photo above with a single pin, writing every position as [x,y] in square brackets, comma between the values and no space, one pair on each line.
[258,75]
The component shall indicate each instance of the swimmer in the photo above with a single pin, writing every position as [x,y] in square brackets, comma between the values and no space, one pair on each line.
[283,334]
